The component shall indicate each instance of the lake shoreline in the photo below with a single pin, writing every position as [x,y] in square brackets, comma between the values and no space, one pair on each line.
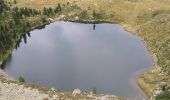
[153,56]
[92,22]
[6,79]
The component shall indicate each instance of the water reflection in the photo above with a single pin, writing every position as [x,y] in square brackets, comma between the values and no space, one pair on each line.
[29,34]
[94,27]
[69,55]
[18,43]
[25,38]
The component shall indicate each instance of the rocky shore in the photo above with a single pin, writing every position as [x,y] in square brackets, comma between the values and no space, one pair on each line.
[11,89]
[14,90]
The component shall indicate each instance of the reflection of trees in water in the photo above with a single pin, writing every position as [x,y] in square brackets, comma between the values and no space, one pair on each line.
[29,34]
[18,43]
[94,26]
[25,38]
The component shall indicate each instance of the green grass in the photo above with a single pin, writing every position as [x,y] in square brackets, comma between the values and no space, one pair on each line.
[21,79]
[163,96]
[149,19]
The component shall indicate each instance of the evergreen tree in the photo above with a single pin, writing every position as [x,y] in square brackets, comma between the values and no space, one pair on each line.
[58,8]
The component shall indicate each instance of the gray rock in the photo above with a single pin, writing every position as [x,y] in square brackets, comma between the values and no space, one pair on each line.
[76,92]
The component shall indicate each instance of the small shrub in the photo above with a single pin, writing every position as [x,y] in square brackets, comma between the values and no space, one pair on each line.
[94,91]
[43,20]
[163,96]
[21,79]
[98,15]
[83,15]
[163,87]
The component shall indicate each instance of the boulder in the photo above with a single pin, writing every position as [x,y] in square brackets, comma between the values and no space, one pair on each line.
[76,92]
[157,92]
[50,20]
[76,18]
[53,90]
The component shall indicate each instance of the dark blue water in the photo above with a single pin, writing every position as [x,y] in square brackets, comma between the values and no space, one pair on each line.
[68,55]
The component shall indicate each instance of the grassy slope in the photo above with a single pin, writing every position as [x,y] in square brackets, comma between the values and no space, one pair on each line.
[149,19]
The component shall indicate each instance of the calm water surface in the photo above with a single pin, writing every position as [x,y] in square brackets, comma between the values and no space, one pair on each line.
[68,55]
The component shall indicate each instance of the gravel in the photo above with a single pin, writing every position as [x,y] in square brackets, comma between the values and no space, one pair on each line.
[11,89]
